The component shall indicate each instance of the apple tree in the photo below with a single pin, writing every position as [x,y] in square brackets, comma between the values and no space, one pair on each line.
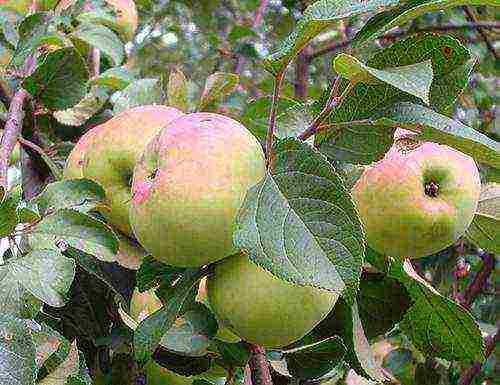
[249,192]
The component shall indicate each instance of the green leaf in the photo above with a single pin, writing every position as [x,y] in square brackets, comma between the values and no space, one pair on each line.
[138,93]
[384,21]
[86,108]
[78,194]
[382,303]
[315,360]
[116,78]
[239,32]
[318,17]
[70,366]
[59,82]
[485,228]
[234,354]
[103,39]
[150,331]
[15,299]
[191,332]
[434,127]
[300,223]
[51,348]
[8,214]
[217,86]
[17,352]
[414,79]
[177,90]
[437,326]
[153,272]
[46,274]
[79,230]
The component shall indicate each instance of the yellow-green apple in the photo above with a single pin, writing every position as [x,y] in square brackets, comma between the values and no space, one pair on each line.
[112,151]
[417,200]
[261,308]
[158,375]
[19,6]
[189,185]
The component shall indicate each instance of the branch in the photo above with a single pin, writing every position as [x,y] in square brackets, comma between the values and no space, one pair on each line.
[470,16]
[259,367]
[443,28]
[12,130]
[476,286]
[272,118]
[302,73]
[259,14]
[474,370]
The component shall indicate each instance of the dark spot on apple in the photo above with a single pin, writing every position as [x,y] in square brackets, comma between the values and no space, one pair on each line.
[206,120]
[152,174]
[431,189]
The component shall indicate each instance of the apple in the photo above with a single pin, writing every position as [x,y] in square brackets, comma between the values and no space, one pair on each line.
[189,185]
[19,6]
[420,198]
[130,253]
[108,153]
[158,375]
[261,308]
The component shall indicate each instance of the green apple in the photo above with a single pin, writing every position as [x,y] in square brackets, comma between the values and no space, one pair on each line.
[158,375]
[417,200]
[19,6]
[189,185]
[261,308]
[110,151]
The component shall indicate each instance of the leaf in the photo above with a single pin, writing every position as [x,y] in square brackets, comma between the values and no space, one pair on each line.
[366,143]
[217,86]
[382,303]
[437,326]
[86,108]
[9,30]
[484,230]
[69,367]
[434,127]
[153,272]
[15,299]
[315,360]
[59,82]
[300,223]
[318,17]
[239,32]
[46,274]
[150,331]
[138,93]
[177,90]
[17,352]
[102,38]
[291,122]
[116,78]
[79,230]
[82,195]
[384,21]
[234,354]
[8,215]
[191,332]
[51,348]
[414,79]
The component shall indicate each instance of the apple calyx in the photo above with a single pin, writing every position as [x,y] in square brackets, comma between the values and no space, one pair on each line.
[432,189]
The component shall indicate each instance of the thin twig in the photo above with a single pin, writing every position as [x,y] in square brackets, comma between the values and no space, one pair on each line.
[12,130]
[95,61]
[302,73]
[470,16]
[272,118]
[259,366]
[490,342]
[476,286]
[443,28]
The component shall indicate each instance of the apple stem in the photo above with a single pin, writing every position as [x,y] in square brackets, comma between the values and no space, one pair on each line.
[259,366]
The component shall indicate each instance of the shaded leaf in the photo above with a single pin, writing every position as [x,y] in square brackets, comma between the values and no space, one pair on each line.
[68,367]
[8,214]
[153,272]
[59,82]
[102,38]
[116,78]
[82,111]
[217,86]
[177,90]
[79,230]
[300,224]
[234,354]
[138,93]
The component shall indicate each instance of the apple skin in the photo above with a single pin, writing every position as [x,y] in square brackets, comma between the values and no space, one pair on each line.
[130,254]
[19,6]
[189,185]
[158,375]
[76,158]
[261,308]
[112,151]
[401,218]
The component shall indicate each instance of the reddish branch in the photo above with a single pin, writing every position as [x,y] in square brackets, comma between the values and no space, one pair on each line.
[302,73]
[260,13]
[476,286]
[259,366]
[12,131]
[443,28]
[470,16]
[474,370]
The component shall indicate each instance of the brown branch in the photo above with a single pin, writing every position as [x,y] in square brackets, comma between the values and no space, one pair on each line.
[443,28]
[272,118]
[470,16]
[259,366]
[12,130]
[302,73]
[95,61]
[476,286]
[490,342]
